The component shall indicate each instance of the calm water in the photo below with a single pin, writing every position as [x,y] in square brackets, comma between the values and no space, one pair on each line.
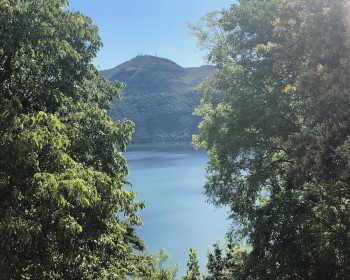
[170,178]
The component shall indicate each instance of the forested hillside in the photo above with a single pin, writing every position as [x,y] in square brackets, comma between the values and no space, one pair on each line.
[160,97]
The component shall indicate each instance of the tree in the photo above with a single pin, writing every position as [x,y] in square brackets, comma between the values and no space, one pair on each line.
[275,124]
[229,266]
[158,269]
[215,264]
[63,211]
[234,260]
[192,272]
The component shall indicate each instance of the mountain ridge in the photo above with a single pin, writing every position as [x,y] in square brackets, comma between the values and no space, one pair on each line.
[159,97]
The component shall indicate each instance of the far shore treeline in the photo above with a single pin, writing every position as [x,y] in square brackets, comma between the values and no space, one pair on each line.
[274,118]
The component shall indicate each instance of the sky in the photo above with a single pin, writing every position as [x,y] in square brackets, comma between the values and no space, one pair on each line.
[147,27]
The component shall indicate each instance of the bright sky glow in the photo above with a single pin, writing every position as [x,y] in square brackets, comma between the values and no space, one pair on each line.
[155,27]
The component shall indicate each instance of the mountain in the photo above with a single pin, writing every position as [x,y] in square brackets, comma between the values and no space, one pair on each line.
[160,97]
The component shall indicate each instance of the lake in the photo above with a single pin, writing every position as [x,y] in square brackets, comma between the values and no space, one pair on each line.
[169,177]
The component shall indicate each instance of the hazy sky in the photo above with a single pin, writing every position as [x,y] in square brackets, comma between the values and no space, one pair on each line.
[154,27]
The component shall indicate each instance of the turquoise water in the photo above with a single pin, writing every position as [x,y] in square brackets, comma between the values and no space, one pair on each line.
[170,179]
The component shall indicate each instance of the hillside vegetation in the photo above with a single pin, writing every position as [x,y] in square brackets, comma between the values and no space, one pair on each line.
[160,97]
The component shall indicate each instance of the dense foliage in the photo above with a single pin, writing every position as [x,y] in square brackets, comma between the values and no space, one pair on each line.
[63,211]
[276,125]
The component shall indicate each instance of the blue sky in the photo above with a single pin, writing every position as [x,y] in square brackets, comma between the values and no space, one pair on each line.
[155,27]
